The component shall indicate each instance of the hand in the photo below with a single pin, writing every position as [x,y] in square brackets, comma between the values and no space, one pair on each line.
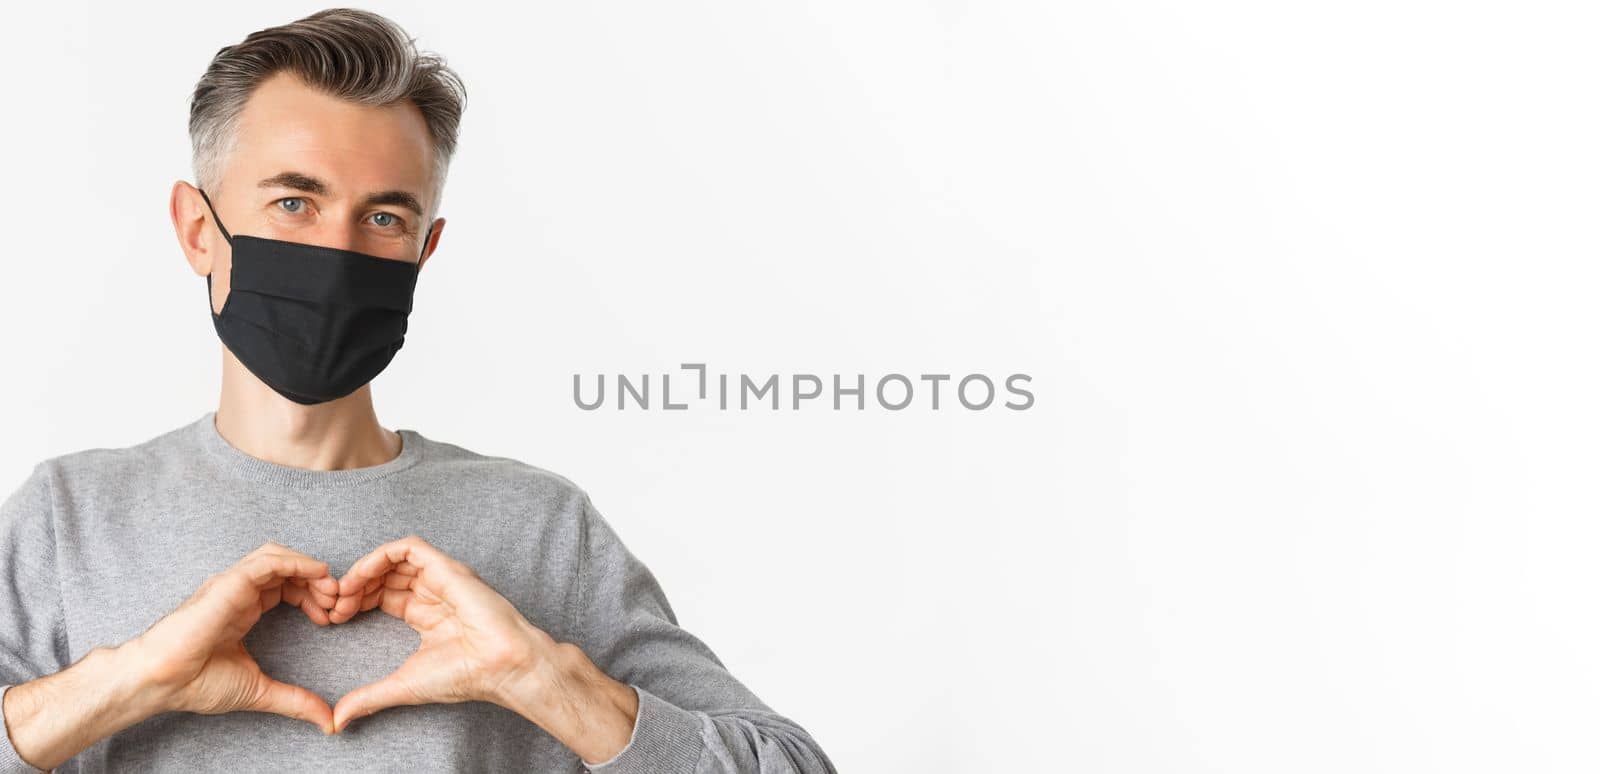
[474,641]
[195,655]
[476,646]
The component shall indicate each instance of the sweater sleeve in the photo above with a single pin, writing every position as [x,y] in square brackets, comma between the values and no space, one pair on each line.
[693,715]
[33,640]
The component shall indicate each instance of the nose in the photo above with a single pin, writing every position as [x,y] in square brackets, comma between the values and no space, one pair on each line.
[341,234]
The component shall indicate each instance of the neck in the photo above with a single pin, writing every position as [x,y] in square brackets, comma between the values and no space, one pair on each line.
[337,435]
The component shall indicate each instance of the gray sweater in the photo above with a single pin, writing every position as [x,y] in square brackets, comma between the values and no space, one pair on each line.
[97,545]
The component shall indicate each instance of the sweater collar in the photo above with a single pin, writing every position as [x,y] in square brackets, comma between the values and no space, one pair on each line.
[246,466]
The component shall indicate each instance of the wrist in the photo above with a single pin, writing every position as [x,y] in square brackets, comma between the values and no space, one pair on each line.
[137,678]
[55,717]
[524,678]
[562,691]
[130,679]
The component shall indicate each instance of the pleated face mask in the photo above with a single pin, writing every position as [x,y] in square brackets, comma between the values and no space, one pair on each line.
[313,323]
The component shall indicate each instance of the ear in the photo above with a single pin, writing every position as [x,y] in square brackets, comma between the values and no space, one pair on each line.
[189,216]
[203,245]
[433,242]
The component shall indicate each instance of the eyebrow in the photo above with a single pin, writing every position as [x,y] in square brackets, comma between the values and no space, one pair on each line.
[299,181]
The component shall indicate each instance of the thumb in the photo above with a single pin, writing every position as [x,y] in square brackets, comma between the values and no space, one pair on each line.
[369,698]
[294,701]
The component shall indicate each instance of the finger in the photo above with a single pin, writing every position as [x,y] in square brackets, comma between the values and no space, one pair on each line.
[262,569]
[360,588]
[392,601]
[411,550]
[325,586]
[372,697]
[270,597]
[257,580]
[345,609]
[366,597]
[302,598]
[348,606]
[293,592]
[378,597]
[406,565]
[326,583]
[322,597]
[315,612]
[364,575]
[293,701]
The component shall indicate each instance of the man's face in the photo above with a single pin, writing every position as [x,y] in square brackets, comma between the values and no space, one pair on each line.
[309,167]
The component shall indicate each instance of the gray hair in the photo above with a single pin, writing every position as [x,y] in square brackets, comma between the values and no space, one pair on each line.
[348,53]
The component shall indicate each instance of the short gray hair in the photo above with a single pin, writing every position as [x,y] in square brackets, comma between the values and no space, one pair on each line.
[348,53]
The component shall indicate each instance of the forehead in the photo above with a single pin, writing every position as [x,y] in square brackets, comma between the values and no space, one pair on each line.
[357,148]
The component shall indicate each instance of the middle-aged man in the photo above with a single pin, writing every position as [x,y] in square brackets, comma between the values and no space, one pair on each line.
[170,605]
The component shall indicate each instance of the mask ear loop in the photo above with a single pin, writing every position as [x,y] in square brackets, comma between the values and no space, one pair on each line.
[225,235]
[425,238]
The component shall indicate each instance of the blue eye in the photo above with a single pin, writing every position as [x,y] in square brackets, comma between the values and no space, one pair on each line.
[298,202]
[391,218]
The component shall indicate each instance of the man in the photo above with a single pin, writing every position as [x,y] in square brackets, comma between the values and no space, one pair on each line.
[171,605]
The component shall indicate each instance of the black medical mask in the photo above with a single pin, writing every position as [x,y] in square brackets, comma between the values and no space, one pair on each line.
[313,323]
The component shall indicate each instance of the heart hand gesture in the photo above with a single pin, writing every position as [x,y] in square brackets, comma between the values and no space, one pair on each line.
[195,655]
[476,646]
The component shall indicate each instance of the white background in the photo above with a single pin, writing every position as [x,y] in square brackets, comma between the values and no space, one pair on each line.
[1306,291]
